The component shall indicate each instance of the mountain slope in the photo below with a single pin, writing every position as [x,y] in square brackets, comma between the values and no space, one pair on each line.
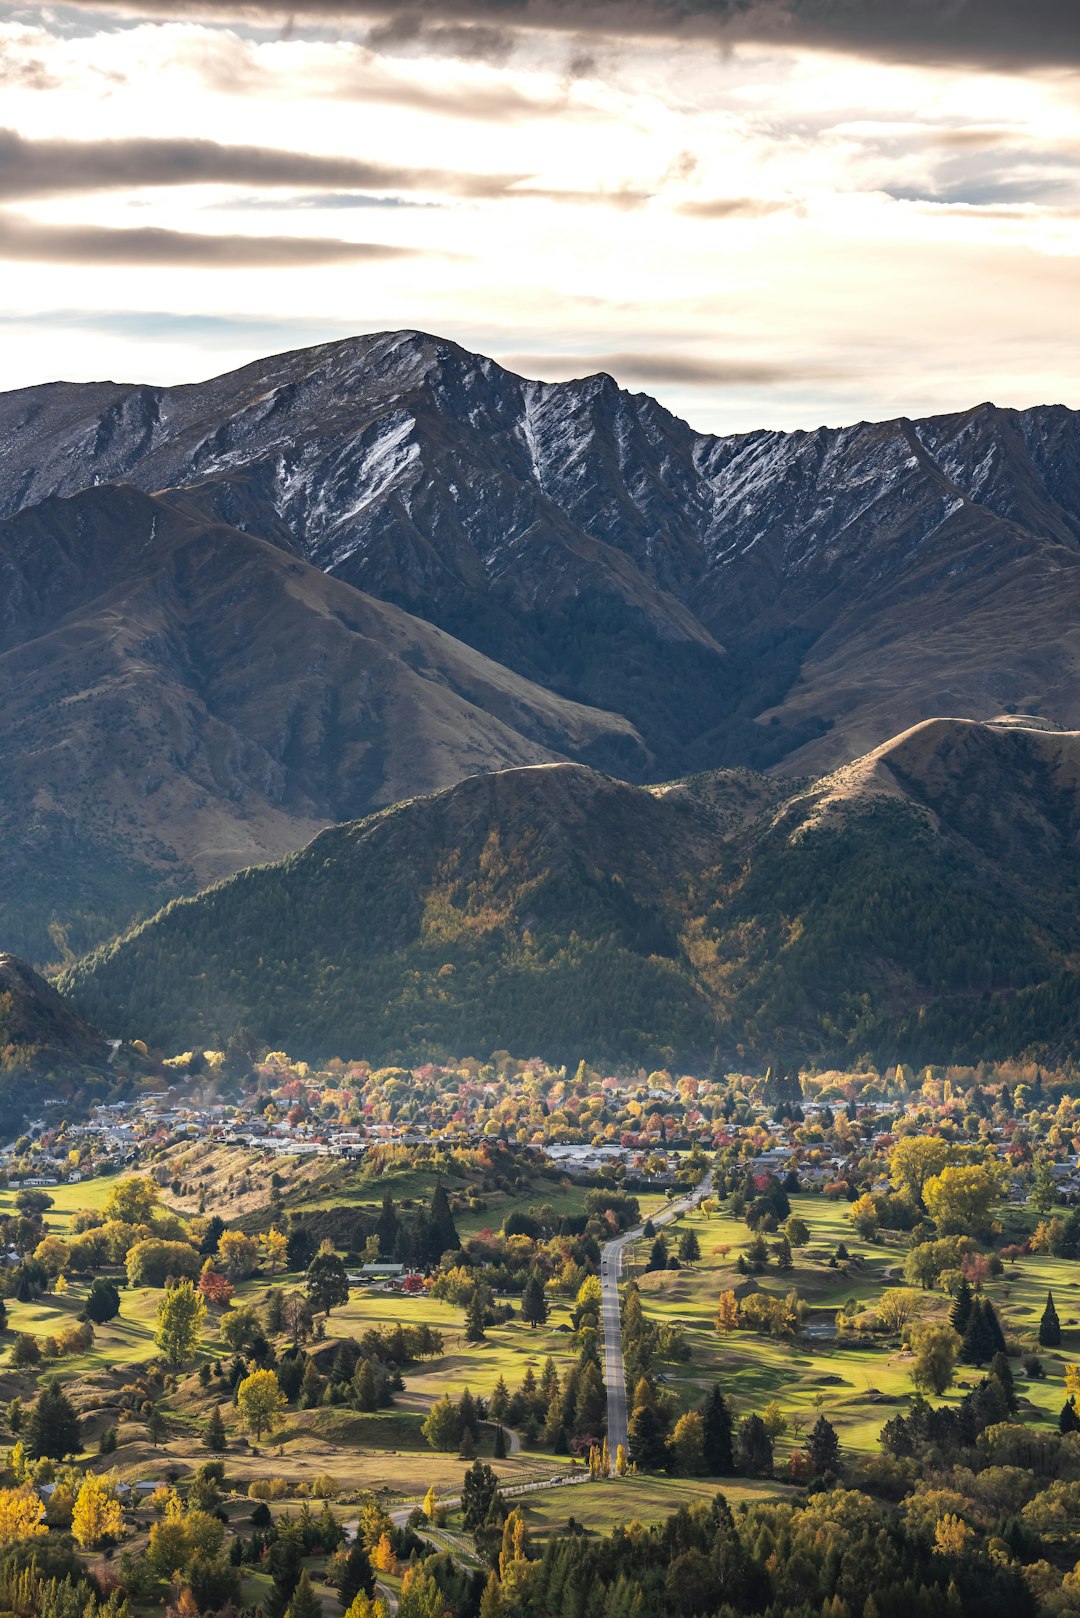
[740,599]
[182,699]
[920,903]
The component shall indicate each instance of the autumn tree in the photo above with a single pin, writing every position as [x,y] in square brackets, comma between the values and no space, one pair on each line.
[727,1312]
[936,1347]
[96,1516]
[22,1515]
[260,1402]
[961,1199]
[275,1248]
[914,1160]
[181,1317]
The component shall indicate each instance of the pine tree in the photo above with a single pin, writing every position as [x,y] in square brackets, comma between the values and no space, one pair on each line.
[357,1574]
[1049,1325]
[499,1448]
[443,1231]
[534,1309]
[214,1438]
[717,1434]
[754,1449]
[960,1312]
[980,1342]
[305,1603]
[1069,1421]
[823,1446]
[475,1312]
[1001,1371]
[53,1427]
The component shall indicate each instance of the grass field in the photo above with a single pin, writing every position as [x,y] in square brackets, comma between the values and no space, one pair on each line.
[858,1387]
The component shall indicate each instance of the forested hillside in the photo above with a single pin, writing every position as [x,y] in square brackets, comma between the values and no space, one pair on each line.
[918,903]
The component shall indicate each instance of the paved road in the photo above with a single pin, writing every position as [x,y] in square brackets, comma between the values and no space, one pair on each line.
[610,1266]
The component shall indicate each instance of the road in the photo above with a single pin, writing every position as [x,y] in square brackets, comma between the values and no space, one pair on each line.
[610,1266]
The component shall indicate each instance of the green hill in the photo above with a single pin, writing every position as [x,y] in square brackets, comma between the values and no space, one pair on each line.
[919,903]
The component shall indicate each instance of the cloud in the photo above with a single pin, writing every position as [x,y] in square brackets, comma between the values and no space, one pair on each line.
[998,34]
[29,240]
[658,369]
[54,167]
[733,207]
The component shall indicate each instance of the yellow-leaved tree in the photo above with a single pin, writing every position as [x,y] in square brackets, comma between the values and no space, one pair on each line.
[727,1312]
[22,1515]
[97,1515]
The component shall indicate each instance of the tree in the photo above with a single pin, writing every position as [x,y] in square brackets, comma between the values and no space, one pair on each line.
[327,1283]
[753,1449]
[479,1491]
[717,1433]
[215,1438]
[53,1427]
[181,1316]
[150,1263]
[443,1232]
[688,1444]
[1043,1195]
[645,1434]
[896,1306]
[823,1447]
[499,1447]
[914,1160]
[797,1231]
[260,1401]
[299,1248]
[357,1574]
[936,1347]
[960,1311]
[962,1197]
[1069,1421]
[689,1247]
[864,1216]
[442,1425]
[237,1254]
[475,1317]
[133,1201]
[659,1258]
[305,1603]
[22,1515]
[727,1312]
[1049,1325]
[102,1301]
[983,1336]
[215,1287]
[275,1248]
[534,1309]
[96,1516]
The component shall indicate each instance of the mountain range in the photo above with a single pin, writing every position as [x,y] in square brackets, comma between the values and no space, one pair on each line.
[237,612]
[919,903]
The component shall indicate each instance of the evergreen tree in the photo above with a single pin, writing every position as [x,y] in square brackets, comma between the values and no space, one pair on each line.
[823,1446]
[305,1603]
[1049,1325]
[1001,1371]
[1069,1421]
[648,1446]
[387,1226]
[53,1428]
[534,1309]
[444,1237]
[980,1343]
[102,1301]
[754,1448]
[357,1574]
[475,1314]
[499,1449]
[327,1284]
[960,1312]
[299,1248]
[658,1255]
[479,1492]
[717,1435]
[214,1437]
[689,1247]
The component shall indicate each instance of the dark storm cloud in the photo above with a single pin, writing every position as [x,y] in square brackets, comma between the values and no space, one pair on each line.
[27,239]
[36,168]
[1008,34]
[658,369]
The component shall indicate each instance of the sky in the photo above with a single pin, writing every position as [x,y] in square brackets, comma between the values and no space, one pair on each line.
[766,213]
